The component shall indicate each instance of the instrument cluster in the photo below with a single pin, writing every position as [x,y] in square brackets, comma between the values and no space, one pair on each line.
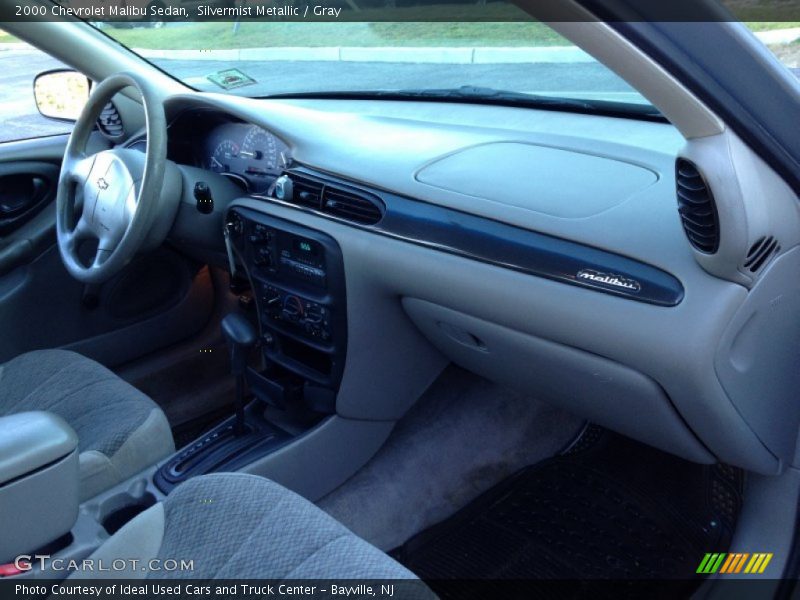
[246,153]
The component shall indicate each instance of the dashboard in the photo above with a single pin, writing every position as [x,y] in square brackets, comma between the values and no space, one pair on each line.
[494,229]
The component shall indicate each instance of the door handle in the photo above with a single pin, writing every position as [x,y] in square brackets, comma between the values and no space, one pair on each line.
[25,189]
[20,192]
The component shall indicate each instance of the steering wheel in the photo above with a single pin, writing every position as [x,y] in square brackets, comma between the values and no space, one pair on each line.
[111,196]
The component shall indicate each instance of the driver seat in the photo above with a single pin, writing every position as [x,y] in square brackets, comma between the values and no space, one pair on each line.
[120,430]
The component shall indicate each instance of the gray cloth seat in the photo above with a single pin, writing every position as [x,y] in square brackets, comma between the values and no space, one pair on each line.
[120,430]
[239,526]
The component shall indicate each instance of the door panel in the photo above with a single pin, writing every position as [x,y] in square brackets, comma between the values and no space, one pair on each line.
[160,299]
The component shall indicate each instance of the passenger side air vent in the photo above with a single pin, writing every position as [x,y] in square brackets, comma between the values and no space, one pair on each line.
[110,122]
[760,253]
[353,207]
[696,207]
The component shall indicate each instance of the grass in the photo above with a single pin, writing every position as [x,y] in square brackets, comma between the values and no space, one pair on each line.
[490,24]
[379,32]
[772,25]
[764,14]
[6,37]
[494,24]
[208,36]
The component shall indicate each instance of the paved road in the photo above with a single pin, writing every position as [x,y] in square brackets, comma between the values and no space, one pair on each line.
[575,78]
[19,117]
[279,76]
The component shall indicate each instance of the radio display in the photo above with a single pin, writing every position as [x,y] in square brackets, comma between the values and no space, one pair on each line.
[304,247]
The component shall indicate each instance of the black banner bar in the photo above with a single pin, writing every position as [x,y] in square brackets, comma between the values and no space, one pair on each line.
[451,11]
[147,589]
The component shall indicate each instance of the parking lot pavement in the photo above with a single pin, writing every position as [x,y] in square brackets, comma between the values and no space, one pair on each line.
[311,76]
[19,118]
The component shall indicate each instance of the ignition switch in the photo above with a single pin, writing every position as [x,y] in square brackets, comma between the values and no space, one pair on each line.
[202,194]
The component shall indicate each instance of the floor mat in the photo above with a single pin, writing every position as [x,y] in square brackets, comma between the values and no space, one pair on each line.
[610,508]
[464,436]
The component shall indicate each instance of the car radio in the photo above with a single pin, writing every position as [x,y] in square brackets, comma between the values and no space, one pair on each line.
[286,255]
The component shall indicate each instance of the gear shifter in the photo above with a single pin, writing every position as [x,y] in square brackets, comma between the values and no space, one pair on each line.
[233,443]
[241,336]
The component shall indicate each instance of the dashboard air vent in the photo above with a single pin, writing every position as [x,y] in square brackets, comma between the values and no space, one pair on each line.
[110,122]
[307,192]
[697,208]
[760,253]
[353,207]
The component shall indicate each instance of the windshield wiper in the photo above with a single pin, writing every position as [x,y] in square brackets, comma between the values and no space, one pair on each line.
[485,95]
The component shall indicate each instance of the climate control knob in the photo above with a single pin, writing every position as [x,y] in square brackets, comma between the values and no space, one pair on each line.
[262,257]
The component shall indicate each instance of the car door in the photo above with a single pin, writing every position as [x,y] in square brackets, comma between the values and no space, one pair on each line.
[159,299]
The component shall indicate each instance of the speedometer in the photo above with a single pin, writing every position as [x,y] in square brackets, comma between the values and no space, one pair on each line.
[260,148]
[222,156]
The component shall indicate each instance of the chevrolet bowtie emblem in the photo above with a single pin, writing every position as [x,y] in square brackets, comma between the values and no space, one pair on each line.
[102,183]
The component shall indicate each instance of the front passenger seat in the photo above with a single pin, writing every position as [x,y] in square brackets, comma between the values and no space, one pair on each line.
[240,526]
[120,430]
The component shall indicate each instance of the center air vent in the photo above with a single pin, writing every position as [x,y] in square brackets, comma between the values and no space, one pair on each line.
[110,122]
[696,207]
[353,207]
[306,192]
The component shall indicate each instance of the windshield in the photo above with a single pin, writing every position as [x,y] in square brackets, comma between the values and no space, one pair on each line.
[496,51]
[474,59]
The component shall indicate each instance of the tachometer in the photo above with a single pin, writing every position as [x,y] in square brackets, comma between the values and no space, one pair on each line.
[223,155]
[260,149]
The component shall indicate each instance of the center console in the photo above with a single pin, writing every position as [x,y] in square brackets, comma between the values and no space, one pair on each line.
[38,481]
[297,278]
[288,351]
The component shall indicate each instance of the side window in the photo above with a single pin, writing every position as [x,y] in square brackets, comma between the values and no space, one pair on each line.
[19,117]
[783,39]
